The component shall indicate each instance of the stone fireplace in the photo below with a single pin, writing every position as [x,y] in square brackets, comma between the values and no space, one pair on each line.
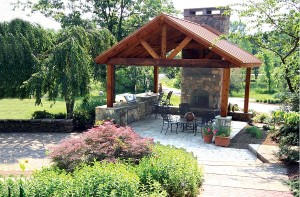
[201,87]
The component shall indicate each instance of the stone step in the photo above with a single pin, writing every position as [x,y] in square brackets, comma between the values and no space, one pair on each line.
[265,171]
[251,182]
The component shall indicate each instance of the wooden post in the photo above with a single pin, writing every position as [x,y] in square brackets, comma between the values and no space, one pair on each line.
[247,90]
[155,88]
[225,91]
[110,85]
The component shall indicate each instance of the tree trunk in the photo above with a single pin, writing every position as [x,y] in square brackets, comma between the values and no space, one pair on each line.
[70,107]
[288,80]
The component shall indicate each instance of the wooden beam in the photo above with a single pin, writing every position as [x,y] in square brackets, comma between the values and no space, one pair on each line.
[179,47]
[247,90]
[155,75]
[149,49]
[225,91]
[208,56]
[164,41]
[200,63]
[110,85]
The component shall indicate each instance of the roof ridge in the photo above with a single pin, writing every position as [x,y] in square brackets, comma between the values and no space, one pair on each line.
[207,27]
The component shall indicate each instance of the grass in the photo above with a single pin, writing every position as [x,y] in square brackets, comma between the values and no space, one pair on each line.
[253,94]
[175,100]
[22,109]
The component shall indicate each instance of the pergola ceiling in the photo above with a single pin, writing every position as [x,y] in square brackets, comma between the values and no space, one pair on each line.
[158,41]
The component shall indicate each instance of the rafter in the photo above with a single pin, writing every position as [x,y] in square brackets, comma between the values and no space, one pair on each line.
[179,47]
[149,49]
[208,56]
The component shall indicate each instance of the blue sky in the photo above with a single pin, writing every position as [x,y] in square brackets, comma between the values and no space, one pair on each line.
[7,14]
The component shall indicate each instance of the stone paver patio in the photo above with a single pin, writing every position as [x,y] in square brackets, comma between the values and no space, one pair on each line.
[227,172]
[204,152]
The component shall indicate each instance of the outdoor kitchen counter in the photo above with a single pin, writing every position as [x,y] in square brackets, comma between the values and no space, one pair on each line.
[124,113]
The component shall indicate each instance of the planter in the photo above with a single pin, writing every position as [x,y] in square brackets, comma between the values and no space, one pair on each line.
[208,138]
[189,116]
[222,141]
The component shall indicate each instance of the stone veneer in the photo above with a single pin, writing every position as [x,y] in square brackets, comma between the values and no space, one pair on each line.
[198,83]
[37,125]
[123,113]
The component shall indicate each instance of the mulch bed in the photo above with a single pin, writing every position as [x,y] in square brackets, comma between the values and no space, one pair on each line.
[242,139]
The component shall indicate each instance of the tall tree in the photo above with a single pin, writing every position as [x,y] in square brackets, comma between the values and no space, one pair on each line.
[276,25]
[21,43]
[120,17]
[65,71]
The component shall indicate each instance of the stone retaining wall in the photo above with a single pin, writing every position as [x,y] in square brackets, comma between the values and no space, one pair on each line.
[37,125]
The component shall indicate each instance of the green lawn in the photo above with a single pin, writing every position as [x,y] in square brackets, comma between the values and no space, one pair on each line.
[22,109]
[253,95]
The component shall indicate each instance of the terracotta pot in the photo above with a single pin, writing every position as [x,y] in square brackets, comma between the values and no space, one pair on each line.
[208,138]
[189,116]
[222,141]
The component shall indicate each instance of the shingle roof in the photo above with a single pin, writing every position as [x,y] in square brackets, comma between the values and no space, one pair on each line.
[130,46]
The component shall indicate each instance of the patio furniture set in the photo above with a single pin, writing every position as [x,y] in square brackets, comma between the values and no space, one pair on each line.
[185,120]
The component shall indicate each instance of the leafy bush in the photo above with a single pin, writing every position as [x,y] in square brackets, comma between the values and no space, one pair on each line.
[105,142]
[41,115]
[261,117]
[175,169]
[289,130]
[166,170]
[105,179]
[294,184]
[50,182]
[89,106]
[82,119]
[254,131]
[60,116]
[84,114]
[10,187]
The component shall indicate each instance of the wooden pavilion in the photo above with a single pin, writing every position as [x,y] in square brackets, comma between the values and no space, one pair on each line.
[160,40]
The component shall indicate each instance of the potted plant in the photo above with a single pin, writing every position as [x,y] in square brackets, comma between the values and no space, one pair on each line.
[222,135]
[207,132]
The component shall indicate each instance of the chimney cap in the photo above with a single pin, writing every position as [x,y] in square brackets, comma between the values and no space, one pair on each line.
[204,11]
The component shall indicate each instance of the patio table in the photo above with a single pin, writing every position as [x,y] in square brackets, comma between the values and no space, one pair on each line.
[190,125]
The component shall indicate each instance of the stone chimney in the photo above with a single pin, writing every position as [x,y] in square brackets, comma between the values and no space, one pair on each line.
[201,87]
[212,17]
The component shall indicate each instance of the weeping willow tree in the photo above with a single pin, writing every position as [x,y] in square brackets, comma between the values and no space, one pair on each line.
[21,43]
[66,70]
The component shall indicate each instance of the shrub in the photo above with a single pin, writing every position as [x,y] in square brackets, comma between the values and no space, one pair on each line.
[294,184]
[82,120]
[60,116]
[175,169]
[10,186]
[105,179]
[289,129]
[41,115]
[106,142]
[89,106]
[254,131]
[261,117]
[50,182]
[266,127]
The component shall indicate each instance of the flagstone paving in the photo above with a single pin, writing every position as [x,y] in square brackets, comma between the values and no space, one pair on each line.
[227,171]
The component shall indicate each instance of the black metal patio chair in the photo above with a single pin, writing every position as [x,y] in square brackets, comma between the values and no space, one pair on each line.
[168,119]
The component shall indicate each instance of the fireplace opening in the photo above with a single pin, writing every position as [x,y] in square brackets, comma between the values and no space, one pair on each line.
[199,99]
